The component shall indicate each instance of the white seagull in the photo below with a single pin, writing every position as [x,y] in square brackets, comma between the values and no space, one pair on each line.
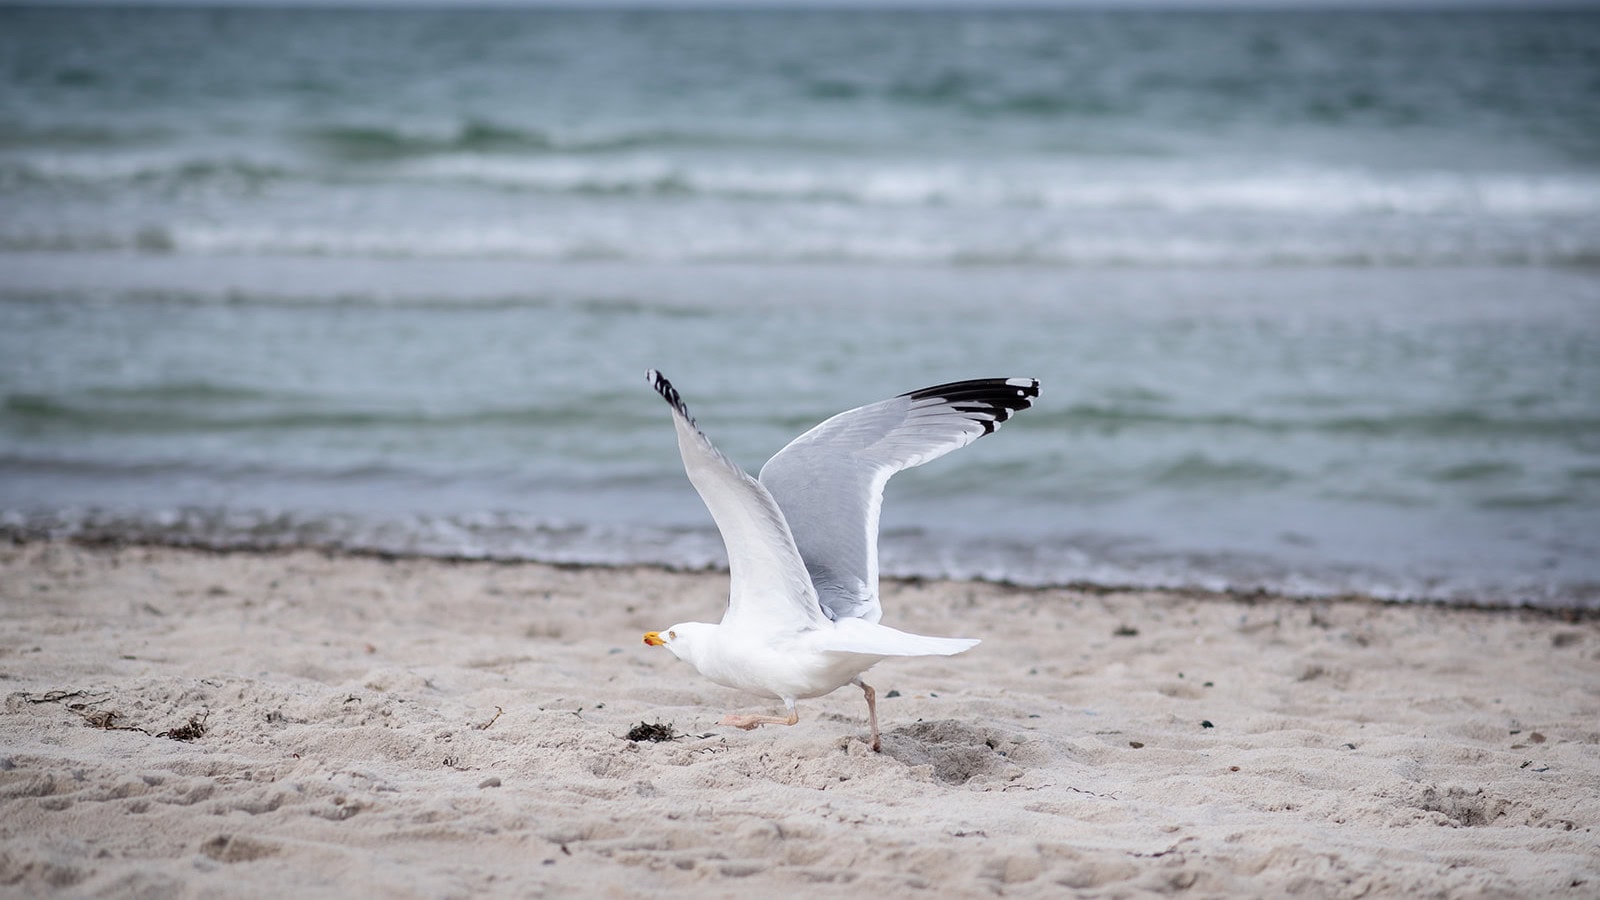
[802,542]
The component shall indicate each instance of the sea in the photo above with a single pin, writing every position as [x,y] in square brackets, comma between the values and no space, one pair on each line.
[1314,297]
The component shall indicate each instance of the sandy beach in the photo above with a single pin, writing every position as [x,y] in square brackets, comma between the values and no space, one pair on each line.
[184,723]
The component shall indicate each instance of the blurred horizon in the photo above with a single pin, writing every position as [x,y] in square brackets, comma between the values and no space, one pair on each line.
[972,6]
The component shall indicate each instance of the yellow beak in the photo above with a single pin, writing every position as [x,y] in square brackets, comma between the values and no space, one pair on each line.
[653,638]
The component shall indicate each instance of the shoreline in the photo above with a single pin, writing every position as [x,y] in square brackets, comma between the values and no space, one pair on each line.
[416,727]
[19,537]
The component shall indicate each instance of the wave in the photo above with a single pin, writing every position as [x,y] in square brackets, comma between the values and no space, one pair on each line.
[1026,185]
[462,162]
[202,408]
[483,138]
[140,170]
[357,142]
[1080,189]
[1451,423]
[799,243]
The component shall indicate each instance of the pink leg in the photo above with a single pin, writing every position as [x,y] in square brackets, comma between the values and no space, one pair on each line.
[751,722]
[872,711]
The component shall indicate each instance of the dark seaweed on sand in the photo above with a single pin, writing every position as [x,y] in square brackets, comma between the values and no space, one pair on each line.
[194,728]
[655,733]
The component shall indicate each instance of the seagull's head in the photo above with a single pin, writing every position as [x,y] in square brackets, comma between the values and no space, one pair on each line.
[680,639]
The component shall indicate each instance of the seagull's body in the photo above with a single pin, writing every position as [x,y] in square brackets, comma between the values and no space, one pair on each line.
[802,542]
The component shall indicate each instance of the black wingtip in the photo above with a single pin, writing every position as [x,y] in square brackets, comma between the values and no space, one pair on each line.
[668,392]
[994,400]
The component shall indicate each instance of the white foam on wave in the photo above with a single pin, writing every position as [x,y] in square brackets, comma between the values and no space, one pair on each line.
[1078,185]
[824,239]
[1071,186]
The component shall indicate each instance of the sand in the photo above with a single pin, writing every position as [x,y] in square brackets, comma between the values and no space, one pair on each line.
[181,723]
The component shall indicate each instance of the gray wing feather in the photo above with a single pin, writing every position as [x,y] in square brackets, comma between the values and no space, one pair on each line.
[829,481]
[769,585]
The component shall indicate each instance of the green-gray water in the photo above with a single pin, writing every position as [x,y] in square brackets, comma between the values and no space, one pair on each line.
[1313,296]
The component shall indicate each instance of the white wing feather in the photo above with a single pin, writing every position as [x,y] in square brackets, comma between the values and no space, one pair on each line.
[770,588]
[871,639]
[829,481]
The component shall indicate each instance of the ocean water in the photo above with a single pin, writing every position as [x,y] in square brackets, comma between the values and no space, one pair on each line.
[1315,298]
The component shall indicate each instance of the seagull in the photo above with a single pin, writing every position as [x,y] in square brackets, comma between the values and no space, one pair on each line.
[802,542]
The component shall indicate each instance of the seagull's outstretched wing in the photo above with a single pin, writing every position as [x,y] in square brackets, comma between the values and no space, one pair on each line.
[829,481]
[770,587]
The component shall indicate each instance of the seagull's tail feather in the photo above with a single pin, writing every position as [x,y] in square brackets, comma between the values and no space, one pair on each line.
[857,636]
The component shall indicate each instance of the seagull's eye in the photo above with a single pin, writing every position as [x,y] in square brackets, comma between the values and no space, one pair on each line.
[673,635]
